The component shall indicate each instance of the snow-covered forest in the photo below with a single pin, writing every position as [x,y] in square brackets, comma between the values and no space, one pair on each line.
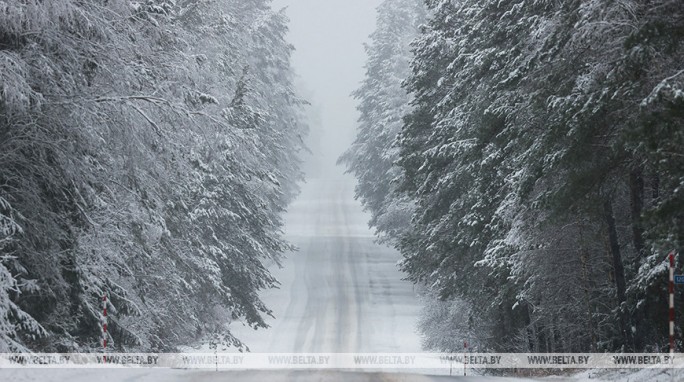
[527,160]
[525,157]
[147,152]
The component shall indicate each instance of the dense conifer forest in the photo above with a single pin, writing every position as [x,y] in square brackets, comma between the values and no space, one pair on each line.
[527,160]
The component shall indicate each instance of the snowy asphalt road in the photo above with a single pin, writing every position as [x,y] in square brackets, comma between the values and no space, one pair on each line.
[341,292]
[166,375]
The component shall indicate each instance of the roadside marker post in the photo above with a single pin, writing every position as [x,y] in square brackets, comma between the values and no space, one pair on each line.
[465,360]
[104,326]
[671,286]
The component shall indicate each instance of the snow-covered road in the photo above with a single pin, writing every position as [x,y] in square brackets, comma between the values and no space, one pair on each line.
[341,292]
[166,375]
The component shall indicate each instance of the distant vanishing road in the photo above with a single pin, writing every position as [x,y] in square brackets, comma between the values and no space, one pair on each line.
[341,291]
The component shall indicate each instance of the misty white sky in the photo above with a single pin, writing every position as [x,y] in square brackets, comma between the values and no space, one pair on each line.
[328,36]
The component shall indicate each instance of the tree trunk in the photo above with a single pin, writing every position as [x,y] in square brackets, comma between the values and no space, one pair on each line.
[618,268]
[587,298]
[636,188]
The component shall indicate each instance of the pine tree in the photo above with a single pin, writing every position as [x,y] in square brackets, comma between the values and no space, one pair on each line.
[382,104]
[527,137]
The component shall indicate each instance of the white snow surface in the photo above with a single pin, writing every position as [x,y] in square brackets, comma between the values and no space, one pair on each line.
[169,375]
[341,292]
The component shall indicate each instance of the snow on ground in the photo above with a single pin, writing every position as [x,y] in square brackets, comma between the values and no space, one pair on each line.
[631,375]
[169,375]
[174,375]
[341,292]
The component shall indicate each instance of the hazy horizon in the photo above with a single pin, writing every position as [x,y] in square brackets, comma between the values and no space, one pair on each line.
[329,60]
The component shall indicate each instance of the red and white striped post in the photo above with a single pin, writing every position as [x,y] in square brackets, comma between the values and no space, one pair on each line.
[104,325]
[465,354]
[671,257]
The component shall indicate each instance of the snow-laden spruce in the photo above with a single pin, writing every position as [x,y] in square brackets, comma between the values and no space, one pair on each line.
[147,159]
[382,104]
[542,155]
